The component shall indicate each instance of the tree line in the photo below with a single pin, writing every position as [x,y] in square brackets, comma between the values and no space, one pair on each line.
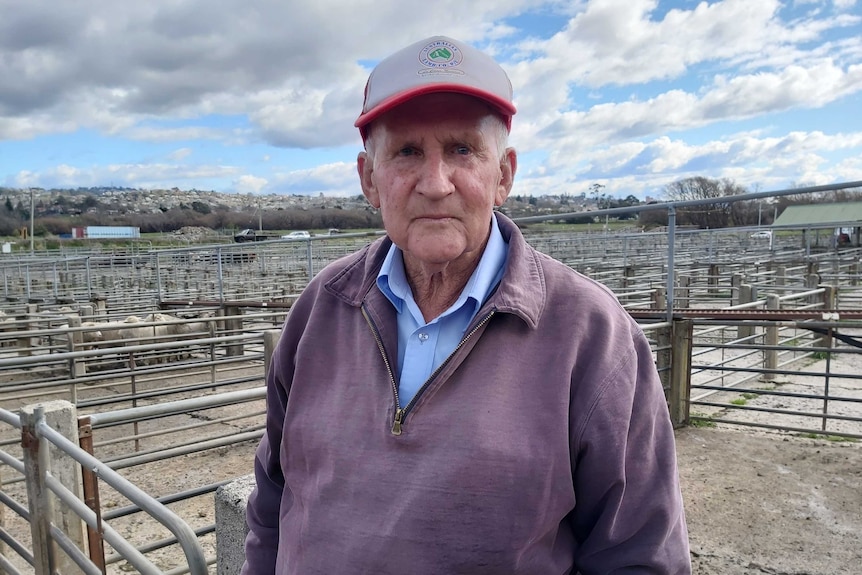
[722,214]
[14,218]
[86,209]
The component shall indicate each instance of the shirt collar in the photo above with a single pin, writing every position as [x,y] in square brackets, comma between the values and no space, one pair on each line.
[392,279]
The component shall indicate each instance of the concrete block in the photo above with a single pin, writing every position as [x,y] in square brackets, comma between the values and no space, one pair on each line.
[231,528]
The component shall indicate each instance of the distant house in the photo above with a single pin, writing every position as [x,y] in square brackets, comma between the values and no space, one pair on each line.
[107,232]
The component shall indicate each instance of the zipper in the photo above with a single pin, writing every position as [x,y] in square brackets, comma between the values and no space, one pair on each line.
[440,367]
[401,413]
[396,425]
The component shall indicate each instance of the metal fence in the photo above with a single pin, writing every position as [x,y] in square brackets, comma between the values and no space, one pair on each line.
[744,333]
[799,376]
[149,404]
[54,510]
[778,374]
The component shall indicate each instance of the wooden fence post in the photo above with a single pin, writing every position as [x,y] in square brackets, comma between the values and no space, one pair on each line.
[77,366]
[61,416]
[735,282]
[747,294]
[628,274]
[780,275]
[38,497]
[712,281]
[770,356]
[233,326]
[680,371]
[812,282]
[659,300]
[830,297]
[100,306]
[683,283]
[270,340]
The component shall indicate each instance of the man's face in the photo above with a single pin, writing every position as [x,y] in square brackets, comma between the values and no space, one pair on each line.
[435,171]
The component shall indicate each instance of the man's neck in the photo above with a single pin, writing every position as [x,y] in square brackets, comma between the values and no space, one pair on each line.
[436,288]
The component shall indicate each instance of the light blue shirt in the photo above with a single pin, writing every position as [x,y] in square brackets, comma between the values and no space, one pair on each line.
[422,347]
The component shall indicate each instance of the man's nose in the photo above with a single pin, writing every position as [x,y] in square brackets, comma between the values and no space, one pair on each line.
[435,177]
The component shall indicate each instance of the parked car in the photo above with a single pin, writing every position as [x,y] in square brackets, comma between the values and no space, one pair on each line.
[249,235]
[763,234]
[300,235]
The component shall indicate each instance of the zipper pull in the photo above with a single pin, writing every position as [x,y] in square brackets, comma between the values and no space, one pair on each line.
[396,425]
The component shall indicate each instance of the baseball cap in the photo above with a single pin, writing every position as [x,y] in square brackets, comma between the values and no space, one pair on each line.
[436,64]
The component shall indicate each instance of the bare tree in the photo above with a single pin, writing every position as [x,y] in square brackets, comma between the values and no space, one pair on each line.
[713,215]
[596,191]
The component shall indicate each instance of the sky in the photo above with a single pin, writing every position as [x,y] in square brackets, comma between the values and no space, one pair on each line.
[260,96]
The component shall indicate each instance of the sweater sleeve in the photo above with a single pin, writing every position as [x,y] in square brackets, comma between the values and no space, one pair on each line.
[268,497]
[628,515]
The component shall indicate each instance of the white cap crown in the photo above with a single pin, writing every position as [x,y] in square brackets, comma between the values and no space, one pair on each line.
[436,64]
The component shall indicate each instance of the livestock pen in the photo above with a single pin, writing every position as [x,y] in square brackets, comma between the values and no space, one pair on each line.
[181,415]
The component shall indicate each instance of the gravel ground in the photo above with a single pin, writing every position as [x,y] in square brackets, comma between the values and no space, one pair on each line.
[761,501]
[771,503]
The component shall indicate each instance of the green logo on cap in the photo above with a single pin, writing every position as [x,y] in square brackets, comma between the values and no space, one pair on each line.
[440,54]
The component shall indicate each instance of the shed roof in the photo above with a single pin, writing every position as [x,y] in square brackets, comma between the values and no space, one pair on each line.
[821,215]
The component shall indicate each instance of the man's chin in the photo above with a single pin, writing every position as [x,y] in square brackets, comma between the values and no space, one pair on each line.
[434,252]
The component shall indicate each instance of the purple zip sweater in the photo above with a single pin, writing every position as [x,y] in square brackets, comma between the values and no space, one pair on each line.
[541,446]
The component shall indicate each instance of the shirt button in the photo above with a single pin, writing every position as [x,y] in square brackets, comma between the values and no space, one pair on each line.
[423,337]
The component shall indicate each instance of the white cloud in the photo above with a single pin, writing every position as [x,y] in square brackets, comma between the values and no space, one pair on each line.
[338,179]
[180,154]
[155,175]
[575,133]
[160,135]
[248,184]
[618,43]
[643,168]
[618,87]
[130,62]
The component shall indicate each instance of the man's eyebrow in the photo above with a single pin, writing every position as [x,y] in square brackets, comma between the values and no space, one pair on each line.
[406,143]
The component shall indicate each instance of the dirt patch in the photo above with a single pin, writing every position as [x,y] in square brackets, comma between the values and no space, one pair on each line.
[771,503]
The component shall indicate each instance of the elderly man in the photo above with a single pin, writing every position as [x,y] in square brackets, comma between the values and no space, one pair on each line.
[449,400]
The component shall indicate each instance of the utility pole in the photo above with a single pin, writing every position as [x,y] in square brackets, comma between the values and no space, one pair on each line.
[32,215]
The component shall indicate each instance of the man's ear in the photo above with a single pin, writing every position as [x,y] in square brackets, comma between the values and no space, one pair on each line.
[508,167]
[365,167]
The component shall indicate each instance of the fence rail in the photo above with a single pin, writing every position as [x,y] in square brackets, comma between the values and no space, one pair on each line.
[707,366]
[197,401]
[50,531]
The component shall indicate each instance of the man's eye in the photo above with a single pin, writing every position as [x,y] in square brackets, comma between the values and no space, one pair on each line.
[462,150]
[406,151]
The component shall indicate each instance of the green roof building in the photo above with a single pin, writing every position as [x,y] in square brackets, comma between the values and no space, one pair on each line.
[844,217]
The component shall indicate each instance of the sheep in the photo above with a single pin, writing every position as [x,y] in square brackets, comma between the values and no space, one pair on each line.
[136,330]
[193,330]
[117,333]
[7,324]
[90,338]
